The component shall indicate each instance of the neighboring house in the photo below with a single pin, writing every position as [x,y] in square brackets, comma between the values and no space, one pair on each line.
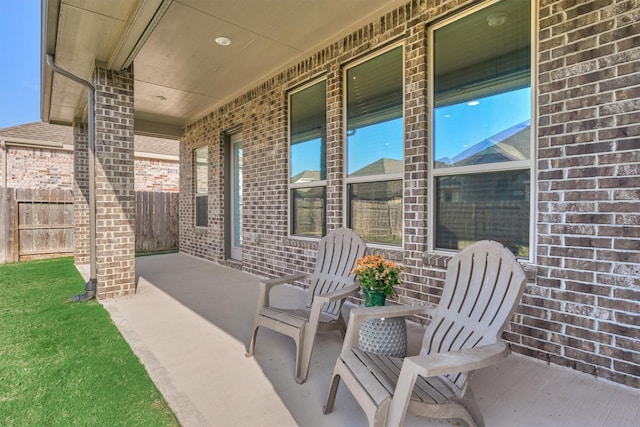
[40,156]
[335,86]
[37,215]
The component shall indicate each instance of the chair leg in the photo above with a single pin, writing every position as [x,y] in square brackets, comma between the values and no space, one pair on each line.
[252,343]
[470,406]
[342,326]
[303,357]
[331,397]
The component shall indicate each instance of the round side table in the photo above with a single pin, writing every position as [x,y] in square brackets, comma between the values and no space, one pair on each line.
[386,336]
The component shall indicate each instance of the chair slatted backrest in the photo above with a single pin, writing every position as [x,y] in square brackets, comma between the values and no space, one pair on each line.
[337,254]
[483,286]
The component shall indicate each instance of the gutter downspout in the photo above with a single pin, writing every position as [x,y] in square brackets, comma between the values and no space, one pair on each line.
[90,286]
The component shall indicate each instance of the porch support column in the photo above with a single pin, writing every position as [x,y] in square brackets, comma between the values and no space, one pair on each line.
[80,194]
[115,196]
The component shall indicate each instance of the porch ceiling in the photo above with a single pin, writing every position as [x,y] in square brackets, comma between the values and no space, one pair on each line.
[180,72]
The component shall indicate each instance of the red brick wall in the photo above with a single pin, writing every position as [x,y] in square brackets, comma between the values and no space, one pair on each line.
[50,168]
[41,168]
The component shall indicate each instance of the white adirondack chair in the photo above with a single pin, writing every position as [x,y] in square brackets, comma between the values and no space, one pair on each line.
[483,286]
[329,286]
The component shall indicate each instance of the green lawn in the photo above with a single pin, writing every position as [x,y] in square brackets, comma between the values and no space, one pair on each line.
[66,364]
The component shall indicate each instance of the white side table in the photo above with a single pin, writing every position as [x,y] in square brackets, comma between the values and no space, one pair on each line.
[386,336]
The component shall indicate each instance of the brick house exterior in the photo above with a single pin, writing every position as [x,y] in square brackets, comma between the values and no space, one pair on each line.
[40,156]
[581,307]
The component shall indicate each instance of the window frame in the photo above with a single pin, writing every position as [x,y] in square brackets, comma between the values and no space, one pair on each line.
[320,183]
[398,176]
[197,195]
[512,166]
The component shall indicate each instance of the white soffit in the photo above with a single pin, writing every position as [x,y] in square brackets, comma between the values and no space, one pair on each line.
[180,72]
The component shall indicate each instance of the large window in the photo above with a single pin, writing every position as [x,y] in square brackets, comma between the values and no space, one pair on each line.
[307,158]
[374,152]
[200,179]
[481,133]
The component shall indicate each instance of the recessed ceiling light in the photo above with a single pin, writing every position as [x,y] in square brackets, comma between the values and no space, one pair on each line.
[223,41]
[473,103]
[496,19]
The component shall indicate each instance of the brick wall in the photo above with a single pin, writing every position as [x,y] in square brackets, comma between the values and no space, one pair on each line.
[581,305]
[48,168]
[156,175]
[81,194]
[115,196]
[584,311]
[40,168]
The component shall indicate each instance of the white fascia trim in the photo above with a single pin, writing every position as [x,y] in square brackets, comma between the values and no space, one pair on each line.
[34,143]
[155,156]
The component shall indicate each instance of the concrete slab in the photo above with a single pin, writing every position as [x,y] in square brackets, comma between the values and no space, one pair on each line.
[189,323]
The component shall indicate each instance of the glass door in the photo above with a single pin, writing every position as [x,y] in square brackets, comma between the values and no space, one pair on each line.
[236,196]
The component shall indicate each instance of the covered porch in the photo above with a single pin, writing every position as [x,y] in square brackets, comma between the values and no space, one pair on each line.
[190,320]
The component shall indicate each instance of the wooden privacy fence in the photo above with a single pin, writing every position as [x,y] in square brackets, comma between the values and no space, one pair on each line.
[156,221]
[39,223]
[35,224]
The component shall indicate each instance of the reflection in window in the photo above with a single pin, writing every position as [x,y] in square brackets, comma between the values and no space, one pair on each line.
[483,206]
[237,190]
[307,161]
[308,211]
[481,92]
[201,177]
[373,149]
[375,210]
[491,141]
[374,166]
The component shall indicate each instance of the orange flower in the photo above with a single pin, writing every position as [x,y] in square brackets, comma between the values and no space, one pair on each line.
[374,272]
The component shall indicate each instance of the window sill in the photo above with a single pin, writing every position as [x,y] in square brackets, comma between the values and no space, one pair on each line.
[302,242]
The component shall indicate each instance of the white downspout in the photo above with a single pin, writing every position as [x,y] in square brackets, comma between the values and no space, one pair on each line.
[90,286]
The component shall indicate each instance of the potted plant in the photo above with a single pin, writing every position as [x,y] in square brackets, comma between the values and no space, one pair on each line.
[377,278]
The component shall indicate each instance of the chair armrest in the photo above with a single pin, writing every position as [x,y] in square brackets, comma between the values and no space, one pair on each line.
[468,359]
[359,315]
[435,365]
[336,295]
[320,300]
[266,285]
[285,279]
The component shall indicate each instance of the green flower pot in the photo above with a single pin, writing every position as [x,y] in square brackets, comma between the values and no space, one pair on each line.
[373,297]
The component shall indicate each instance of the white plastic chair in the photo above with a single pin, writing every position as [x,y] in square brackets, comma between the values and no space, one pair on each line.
[329,285]
[483,286]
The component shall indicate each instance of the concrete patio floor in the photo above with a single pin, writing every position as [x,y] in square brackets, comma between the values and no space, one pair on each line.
[189,323]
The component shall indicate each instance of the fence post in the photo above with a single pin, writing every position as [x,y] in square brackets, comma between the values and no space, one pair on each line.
[4,195]
[7,225]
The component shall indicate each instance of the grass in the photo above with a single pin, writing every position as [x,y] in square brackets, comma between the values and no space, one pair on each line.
[66,364]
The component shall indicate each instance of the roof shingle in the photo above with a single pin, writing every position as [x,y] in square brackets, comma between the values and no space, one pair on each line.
[45,132]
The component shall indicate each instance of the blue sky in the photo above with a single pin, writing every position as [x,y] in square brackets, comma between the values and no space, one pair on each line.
[19,62]
[20,92]
[463,125]
[457,128]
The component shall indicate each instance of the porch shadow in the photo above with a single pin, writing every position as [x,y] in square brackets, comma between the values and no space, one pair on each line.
[189,323]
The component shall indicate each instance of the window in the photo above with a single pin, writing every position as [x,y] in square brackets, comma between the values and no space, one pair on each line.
[481,134]
[374,149]
[307,161]
[200,179]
